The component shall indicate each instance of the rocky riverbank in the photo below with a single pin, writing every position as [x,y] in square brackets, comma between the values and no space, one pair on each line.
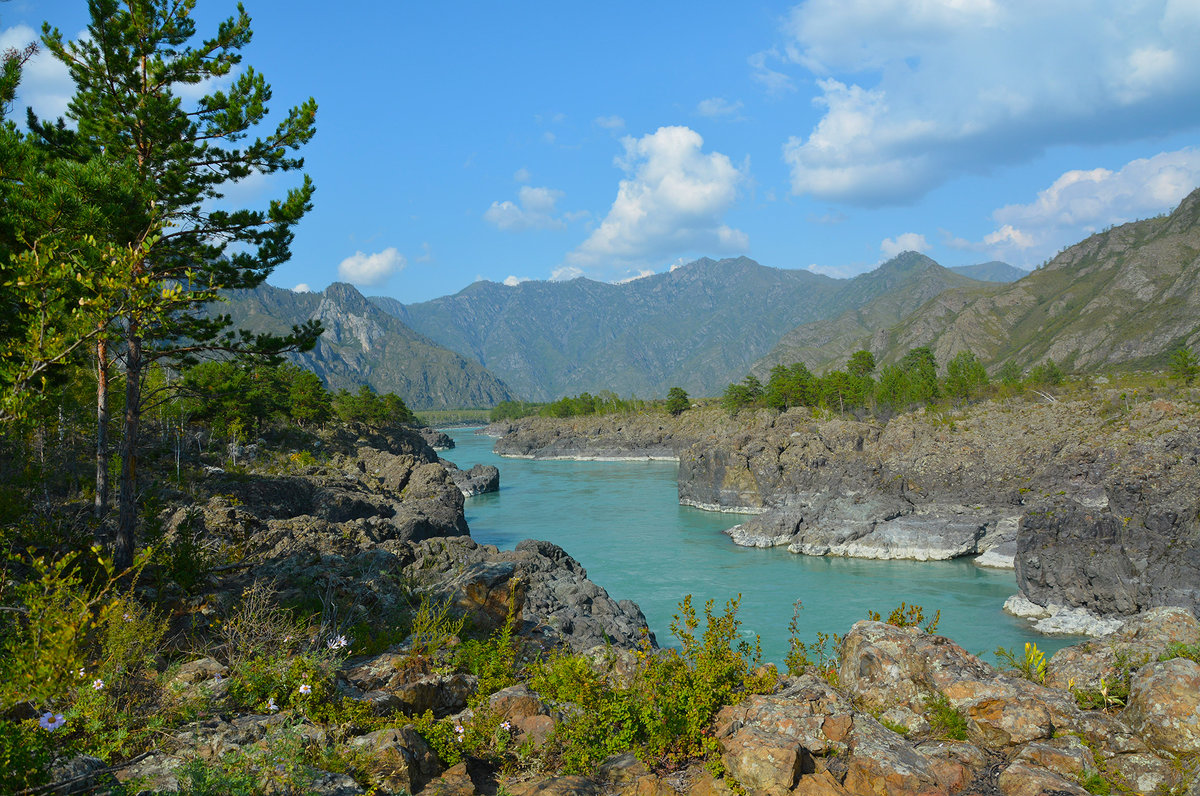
[1094,499]
[376,518]
[616,437]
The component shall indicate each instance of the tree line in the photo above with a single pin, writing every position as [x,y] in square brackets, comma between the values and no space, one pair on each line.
[909,383]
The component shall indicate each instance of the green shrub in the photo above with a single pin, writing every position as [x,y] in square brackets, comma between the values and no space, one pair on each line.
[815,656]
[665,710]
[25,755]
[945,720]
[906,615]
[1031,666]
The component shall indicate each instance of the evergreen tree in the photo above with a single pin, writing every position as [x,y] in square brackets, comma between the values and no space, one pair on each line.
[965,375]
[182,159]
[1184,365]
[920,367]
[677,401]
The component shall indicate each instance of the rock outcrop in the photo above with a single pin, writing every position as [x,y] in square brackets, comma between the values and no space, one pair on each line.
[1096,499]
[479,480]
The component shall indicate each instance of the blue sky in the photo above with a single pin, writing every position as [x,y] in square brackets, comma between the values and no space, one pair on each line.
[459,141]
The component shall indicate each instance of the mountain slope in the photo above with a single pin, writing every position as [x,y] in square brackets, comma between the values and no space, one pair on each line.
[699,326]
[695,327]
[1124,297]
[364,345]
[877,300]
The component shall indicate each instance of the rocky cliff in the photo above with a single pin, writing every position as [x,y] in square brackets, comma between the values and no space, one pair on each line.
[1098,498]
[381,508]
[362,344]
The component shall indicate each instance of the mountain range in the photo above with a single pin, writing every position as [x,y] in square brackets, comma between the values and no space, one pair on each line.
[1124,297]
[363,345]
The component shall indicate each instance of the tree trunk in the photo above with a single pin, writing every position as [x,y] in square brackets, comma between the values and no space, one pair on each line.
[102,452]
[123,544]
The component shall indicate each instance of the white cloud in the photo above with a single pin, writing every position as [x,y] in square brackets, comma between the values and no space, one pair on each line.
[610,122]
[522,175]
[302,288]
[719,107]
[1008,235]
[371,270]
[774,81]
[46,85]
[1081,202]
[513,281]
[566,272]
[912,94]
[534,209]
[908,242]
[641,274]
[672,200]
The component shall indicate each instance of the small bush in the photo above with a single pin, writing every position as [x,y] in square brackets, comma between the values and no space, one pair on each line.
[945,720]
[1031,666]
[906,615]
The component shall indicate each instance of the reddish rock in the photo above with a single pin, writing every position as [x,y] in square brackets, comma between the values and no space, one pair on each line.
[1164,705]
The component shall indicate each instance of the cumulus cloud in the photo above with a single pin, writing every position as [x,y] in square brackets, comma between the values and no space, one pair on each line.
[672,200]
[908,242]
[565,272]
[302,288]
[911,94]
[534,209]
[371,270]
[1084,201]
[774,81]
[641,274]
[719,107]
[522,175]
[513,281]
[610,122]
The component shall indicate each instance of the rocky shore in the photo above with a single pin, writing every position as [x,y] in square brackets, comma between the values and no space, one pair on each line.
[1094,500]
[898,711]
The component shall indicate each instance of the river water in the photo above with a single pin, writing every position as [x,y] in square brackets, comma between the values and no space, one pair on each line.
[623,522]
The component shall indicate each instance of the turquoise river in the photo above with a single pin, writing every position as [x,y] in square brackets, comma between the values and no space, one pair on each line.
[623,522]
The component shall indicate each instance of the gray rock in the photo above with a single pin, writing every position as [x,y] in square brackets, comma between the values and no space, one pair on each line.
[479,480]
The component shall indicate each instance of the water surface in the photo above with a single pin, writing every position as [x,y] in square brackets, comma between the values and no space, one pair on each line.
[623,522]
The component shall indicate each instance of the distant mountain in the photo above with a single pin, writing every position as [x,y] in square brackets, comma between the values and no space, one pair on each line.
[994,271]
[364,345]
[696,327]
[1125,297]
[699,326]
[877,301]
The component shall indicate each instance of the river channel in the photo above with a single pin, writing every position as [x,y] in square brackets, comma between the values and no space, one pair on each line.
[623,522]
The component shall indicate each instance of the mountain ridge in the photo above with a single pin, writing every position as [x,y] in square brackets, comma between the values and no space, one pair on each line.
[362,344]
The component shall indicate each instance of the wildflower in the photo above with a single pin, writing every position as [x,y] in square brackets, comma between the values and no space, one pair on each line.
[271,706]
[336,643]
[127,617]
[305,688]
[217,677]
[51,721]
[458,732]
[504,725]
[97,684]
[82,673]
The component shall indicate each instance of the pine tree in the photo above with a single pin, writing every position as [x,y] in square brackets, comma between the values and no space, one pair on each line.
[125,70]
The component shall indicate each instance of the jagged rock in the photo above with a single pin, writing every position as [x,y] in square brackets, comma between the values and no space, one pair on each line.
[880,761]
[479,480]
[769,741]
[76,774]
[411,685]
[1164,705]
[525,712]
[1141,639]
[197,671]
[436,439]
[557,786]
[400,758]
[1023,779]
[154,773]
